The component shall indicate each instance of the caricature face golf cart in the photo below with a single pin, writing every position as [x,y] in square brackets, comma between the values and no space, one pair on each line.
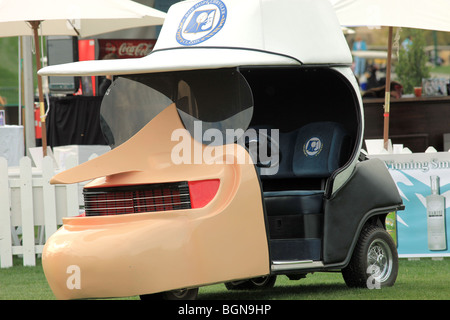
[235,158]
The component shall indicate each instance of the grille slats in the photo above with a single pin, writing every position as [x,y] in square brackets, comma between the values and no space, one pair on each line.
[135,199]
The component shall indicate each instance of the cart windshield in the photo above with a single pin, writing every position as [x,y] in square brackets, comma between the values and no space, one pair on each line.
[206,99]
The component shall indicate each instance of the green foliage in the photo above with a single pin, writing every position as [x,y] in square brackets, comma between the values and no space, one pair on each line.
[9,62]
[411,66]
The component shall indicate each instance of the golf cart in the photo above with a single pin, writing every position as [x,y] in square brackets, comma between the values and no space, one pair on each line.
[236,157]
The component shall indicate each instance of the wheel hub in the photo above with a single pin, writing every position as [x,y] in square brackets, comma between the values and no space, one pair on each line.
[379,260]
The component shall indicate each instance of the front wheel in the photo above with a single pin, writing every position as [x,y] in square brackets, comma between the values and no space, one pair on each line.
[259,283]
[181,294]
[374,263]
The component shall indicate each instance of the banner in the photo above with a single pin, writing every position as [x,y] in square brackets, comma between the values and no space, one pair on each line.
[423,180]
[125,48]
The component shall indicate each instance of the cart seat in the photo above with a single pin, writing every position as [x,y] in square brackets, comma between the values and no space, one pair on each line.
[320,149]
[315,151]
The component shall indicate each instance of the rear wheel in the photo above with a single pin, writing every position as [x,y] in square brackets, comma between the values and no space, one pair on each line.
[265,282]
[374,263]
[181,294]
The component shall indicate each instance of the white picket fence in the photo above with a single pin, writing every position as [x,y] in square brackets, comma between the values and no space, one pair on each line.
[31,209]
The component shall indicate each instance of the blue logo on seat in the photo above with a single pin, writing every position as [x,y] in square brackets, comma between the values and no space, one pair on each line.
[312,147]
[201,22]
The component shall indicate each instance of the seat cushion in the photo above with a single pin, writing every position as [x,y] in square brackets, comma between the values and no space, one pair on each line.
[320,149]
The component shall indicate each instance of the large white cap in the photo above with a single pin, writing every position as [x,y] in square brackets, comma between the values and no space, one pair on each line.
[227,33]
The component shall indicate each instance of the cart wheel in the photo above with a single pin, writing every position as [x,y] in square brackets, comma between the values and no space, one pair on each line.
[265,282]
[181,294]
[374,263]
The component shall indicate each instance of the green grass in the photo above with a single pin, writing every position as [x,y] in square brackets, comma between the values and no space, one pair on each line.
[425,279]
[24,283]
[441,70]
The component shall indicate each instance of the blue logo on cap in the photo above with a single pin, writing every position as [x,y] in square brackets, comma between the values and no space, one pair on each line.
[201,22]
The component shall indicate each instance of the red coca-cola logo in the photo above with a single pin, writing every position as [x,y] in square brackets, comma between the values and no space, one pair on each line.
[139,50]
[110,48]
[126,48]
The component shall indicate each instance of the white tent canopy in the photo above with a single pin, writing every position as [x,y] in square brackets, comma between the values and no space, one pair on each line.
[417,14]
[82,18]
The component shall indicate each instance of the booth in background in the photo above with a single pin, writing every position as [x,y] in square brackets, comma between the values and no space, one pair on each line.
[11,144]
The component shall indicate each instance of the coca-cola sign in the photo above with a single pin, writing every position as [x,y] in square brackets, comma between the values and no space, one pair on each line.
[120,49]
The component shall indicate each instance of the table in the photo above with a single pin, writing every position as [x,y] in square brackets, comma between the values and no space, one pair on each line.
[12,144]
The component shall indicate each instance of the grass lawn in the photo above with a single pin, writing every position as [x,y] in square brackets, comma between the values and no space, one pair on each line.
[423,279]
[441,69]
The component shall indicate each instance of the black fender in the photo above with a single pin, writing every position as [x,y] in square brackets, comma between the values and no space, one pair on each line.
[370,191]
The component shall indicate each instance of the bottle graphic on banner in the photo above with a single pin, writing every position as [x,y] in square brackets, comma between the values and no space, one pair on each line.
[436,217]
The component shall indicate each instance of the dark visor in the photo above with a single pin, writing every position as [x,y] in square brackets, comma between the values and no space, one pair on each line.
[220,100]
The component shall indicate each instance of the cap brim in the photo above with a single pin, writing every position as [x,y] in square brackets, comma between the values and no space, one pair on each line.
[176,59]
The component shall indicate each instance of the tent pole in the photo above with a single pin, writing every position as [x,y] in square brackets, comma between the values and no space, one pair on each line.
[19,53]
[387,96]
[35,26]
[28,95]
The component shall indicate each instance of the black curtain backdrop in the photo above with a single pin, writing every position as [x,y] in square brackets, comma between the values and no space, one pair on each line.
[74,120]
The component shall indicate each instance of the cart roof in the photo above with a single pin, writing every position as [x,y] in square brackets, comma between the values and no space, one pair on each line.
[227,33]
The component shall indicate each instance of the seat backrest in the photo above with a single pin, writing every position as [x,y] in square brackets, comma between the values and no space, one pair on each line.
[320,148]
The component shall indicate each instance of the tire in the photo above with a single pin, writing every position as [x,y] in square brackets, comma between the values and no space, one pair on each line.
[259,283]
[182,294]
[374,263]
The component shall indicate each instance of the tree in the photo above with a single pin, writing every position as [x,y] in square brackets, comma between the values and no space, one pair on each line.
[411,67]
